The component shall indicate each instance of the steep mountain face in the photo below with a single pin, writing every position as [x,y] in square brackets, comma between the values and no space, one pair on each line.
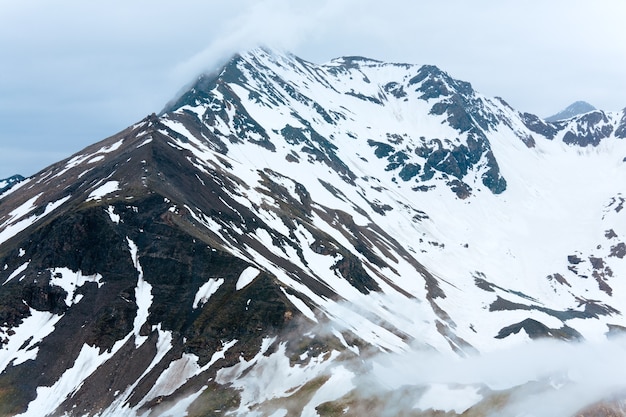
[283,228]
[574,109]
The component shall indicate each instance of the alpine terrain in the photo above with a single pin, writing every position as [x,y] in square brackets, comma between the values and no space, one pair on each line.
[347,239]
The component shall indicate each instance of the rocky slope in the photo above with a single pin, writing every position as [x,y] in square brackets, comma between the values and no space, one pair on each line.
[284,232]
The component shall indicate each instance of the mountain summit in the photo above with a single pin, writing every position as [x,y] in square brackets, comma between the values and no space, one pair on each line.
[574,109]
[283,228]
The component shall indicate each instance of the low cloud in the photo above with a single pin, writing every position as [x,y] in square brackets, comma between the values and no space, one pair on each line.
[280,24]
[545,378]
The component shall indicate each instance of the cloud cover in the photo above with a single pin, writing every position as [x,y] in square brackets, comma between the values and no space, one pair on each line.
[547,378]
[75,72]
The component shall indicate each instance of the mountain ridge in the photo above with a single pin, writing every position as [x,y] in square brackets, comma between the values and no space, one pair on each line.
[287,217]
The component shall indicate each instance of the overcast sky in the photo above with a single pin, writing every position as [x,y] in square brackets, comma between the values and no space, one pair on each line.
[74,72]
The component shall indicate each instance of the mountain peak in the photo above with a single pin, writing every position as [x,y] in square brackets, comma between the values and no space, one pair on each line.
[283,221]
[436,82]
[7,183]
[573,110]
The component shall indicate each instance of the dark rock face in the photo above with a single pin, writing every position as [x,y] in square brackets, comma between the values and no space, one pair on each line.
[537,125]
[537,330]
[174,264]
[618,250]
[465,112]
[409,171]
[461,189]
[457,161]
[175,261]
[395,90]
[382,149]
[598,128]
[435,83]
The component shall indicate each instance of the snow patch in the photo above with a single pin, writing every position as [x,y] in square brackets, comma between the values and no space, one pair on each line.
[111,148]
[206,291]
[120,406]
[22,210]
[50,398]
[115,218]
[339,384]
[180,371]
[105,189]
[18,271]
[96,159]
[16,228]
[180,409]
[143,296]
[70,281]
[247,276]
[19,348]
[15,187]
[145,142]
[266,377]
[300,305]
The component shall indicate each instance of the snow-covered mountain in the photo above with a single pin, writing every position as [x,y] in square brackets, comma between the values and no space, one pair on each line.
[288,238]
[575,109]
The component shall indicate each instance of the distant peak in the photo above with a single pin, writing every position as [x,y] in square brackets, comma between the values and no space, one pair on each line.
[13,179]
[573,110]
[433,69]
[7,183]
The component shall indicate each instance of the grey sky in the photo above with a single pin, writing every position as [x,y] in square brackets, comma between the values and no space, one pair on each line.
[74,72]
